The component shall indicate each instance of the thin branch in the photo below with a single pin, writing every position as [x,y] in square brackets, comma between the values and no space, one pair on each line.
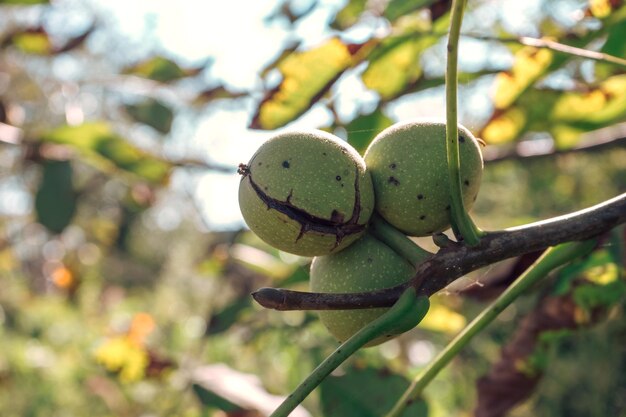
[545,148]
[556,47]
[201,164]
[455,261]
[538,43]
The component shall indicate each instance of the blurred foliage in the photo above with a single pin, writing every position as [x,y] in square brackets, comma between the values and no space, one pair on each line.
[366,392]
[97,142]
[55,200]
[153,113]
[118,297]
[159,68]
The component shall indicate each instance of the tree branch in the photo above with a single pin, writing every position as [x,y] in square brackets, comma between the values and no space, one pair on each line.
[454,261]
[554,46]
[545,148]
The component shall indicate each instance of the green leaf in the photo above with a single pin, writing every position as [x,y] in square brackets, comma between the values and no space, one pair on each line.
[299,275]
[614,44]
[159,68]
[153,113]
[217,93]
[394,64]
[307,76]
[219,386]
[398,8]
[591,296]
[349,14]
[98,144]
[364,128]
[599,268]
[366,392]
[223,320]
[24,2]
[55,200]
[213,400]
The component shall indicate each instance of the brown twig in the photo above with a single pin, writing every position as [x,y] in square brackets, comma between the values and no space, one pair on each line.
[455,261]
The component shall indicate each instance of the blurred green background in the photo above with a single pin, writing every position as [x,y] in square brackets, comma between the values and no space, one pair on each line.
[126,269]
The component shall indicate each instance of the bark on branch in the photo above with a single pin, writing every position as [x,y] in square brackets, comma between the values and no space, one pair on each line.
[545,148]
[454,261]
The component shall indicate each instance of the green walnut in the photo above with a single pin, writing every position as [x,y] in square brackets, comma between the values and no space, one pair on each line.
[306,193]
[408,165]
[366,265]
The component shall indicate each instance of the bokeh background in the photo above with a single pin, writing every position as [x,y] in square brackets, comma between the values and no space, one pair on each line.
[125,265]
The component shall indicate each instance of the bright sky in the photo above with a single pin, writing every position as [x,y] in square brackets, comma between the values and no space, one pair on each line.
[233,32]
[237,36]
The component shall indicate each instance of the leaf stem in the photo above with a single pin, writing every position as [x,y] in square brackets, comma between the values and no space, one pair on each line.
[552,258]
[408,307]
[397,241]
[460,218]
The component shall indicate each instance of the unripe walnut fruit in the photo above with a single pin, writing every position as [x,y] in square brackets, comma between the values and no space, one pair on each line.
[368,264]
[306,193]
[409,169]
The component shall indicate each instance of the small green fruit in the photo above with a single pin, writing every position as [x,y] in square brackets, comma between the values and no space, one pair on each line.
[366,265]
[409,169]
[306,193]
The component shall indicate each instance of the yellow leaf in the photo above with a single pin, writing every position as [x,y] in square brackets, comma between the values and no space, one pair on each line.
[600,8]
[505,127]
[121,355]
[33,42]
[8,261]
[442,319]
[603,274]
[306,77]
[573,106]
[158,68]
[605,104]
[565,136]
[528,66]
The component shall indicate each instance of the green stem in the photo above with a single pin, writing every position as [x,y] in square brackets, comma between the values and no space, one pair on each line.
[461,219]
[407,312]
[552,258]
[397,241]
